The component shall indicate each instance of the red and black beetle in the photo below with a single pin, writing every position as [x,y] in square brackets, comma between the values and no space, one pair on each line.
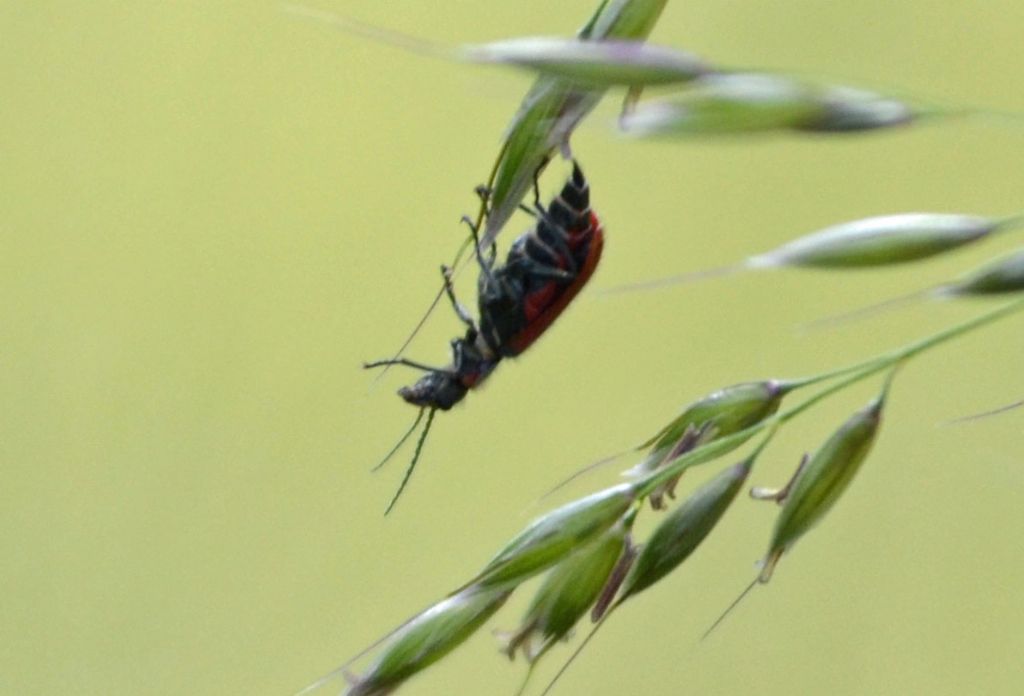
[545,269]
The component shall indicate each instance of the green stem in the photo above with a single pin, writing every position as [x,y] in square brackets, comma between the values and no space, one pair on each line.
[861,371]
[789,385]
[949,334]
[910,351]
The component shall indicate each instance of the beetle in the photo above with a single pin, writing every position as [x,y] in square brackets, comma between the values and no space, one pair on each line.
[517,302]
[546,268]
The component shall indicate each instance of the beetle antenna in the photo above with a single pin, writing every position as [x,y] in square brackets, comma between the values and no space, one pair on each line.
[455,264]
[415,458]
[401,442]
[401,361]
[423,320]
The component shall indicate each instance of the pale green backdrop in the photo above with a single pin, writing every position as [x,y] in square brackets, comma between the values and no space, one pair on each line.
[212,212]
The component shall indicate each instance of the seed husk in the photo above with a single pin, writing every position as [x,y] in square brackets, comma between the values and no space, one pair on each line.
[672,542]
[568,591]
[821,481]
[730,409]
[683,529]
[605,63]
[553,108]
[1003,275]
[740,103]
[429,637]
[868,242]
[716,415]
[848,109]
[879,241]
[723,104]
[815,487]
[553,537]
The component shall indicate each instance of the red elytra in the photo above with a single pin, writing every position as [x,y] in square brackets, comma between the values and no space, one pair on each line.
[544,305]
[546,268]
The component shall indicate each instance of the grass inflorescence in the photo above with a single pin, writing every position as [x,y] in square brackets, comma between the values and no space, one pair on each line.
[585,552]
[580,544]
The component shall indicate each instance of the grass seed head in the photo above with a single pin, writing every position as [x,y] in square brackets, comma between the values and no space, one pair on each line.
[553,537]
[878,241]
[552,109]
[742,103]
[683,529]
[605,63]
[847,109]
[821,481]
[728,103]
[721,413]
[1004,275]
[729,410]
[429,637]
[568,591]
[623,19]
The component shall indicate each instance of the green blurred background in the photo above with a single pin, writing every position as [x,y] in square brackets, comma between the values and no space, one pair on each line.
[213,212]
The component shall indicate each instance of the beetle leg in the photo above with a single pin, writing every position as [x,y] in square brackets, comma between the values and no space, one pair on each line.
[550,240]
[464,315]
[485,264]
[536,185]
[485,195]
[542,270]
[561,241]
